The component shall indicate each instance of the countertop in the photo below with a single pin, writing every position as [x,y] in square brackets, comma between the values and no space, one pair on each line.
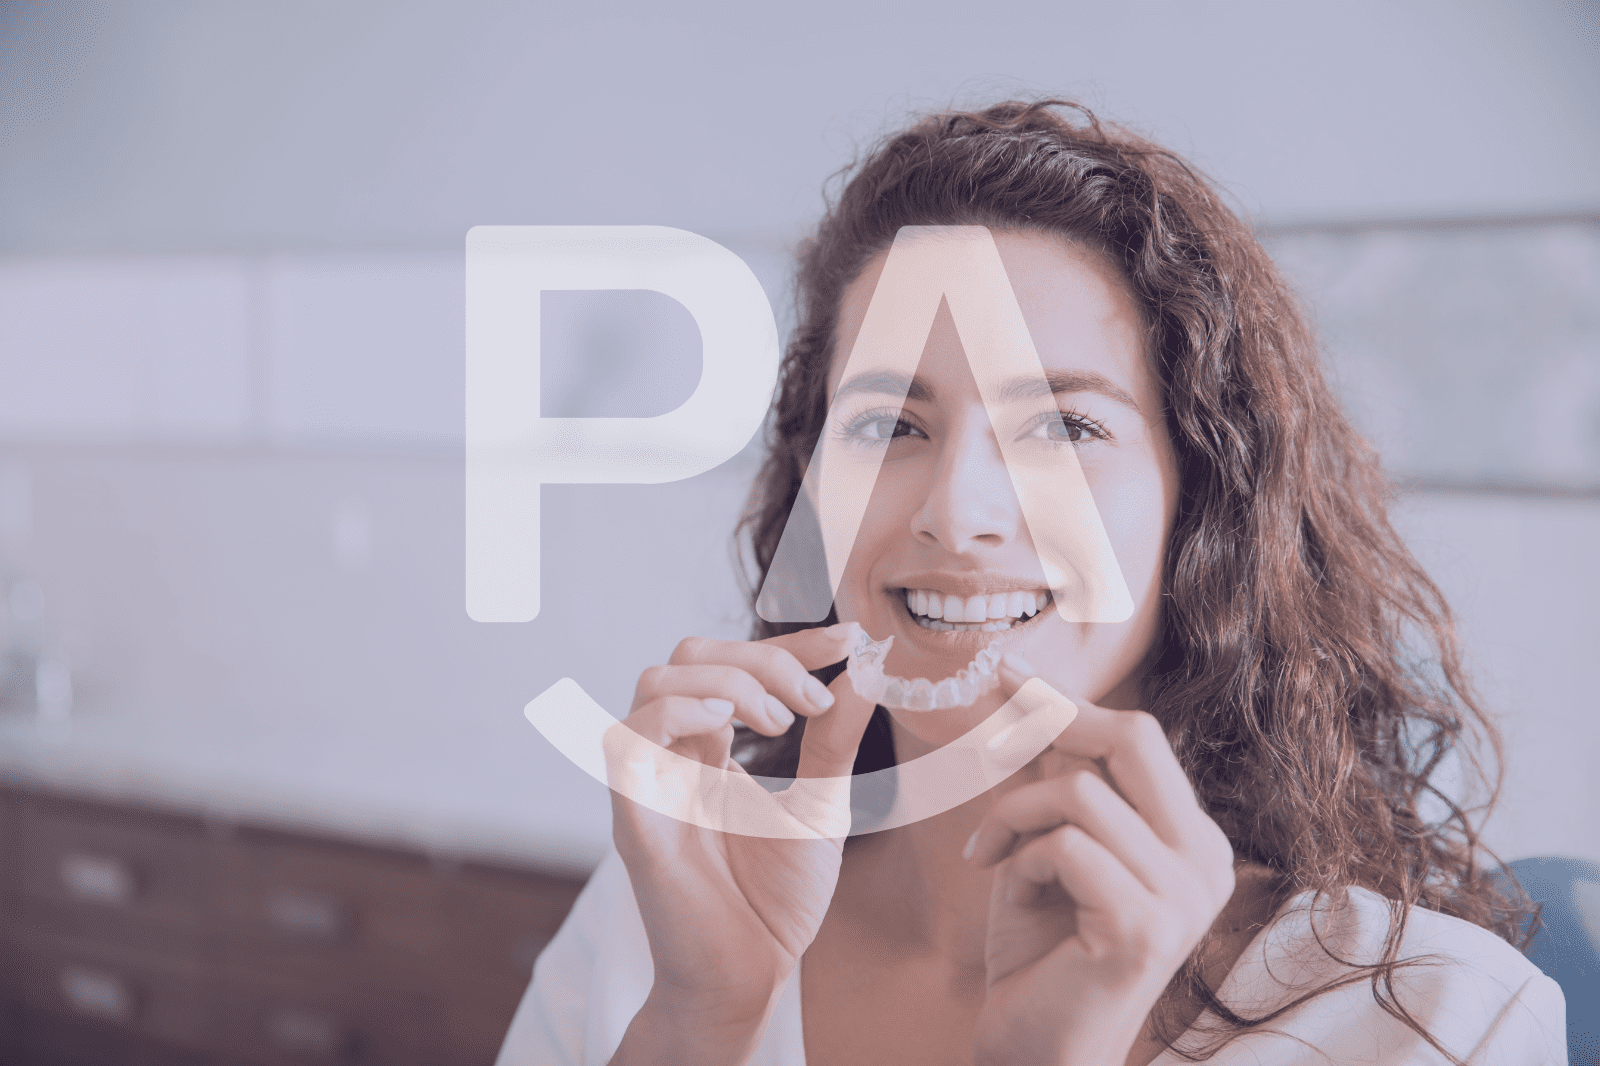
[354,783]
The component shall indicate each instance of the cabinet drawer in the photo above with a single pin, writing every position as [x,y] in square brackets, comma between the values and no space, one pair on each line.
[119,873]
[10,1021]
[268,1021]
[56,1041]
[10,845]
[499,920]
[291,899]
[475,1022]
[111,991]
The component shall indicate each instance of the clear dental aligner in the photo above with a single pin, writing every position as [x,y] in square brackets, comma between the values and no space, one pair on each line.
[918,693]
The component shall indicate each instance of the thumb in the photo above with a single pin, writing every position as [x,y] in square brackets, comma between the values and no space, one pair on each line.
[1021,685]
[816,648]
[1015,672]
[828,747]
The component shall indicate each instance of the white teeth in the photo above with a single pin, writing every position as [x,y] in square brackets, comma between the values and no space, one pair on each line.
[918,694]
[1001,609]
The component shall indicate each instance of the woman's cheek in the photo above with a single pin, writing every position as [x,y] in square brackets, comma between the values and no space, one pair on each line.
[1133,510]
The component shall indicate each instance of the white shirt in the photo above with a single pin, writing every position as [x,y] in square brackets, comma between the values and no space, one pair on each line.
[1477,995]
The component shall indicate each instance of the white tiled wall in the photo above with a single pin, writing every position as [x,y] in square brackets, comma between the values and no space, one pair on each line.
[153,347]
[1469,355]
[361,351]
[1522,575]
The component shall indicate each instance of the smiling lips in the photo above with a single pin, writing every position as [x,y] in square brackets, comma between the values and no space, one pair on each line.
[989,614]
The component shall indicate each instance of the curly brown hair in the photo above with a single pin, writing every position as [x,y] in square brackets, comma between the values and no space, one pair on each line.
[1307,673]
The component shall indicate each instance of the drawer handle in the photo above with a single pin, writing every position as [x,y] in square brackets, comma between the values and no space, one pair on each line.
[308,914]
[303,1032]
[98,879]
[98,994]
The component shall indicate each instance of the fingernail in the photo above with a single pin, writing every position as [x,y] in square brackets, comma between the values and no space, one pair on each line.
[840,630]
[972,845]
[781,716]
[817,693]
[717,706]
[1016,662]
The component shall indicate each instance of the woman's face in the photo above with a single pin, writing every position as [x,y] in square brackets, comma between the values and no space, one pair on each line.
[943,520]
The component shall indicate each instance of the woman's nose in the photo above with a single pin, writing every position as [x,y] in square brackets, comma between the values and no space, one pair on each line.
[971,503]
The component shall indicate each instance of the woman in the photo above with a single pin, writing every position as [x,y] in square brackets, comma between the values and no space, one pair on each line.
[1229,852]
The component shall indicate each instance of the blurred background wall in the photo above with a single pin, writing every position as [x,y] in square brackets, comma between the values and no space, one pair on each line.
[231,358]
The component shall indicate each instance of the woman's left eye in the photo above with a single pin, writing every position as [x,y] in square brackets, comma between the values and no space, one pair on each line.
[1067,429]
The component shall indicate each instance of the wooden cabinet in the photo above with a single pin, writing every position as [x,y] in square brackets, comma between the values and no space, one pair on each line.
[135,936]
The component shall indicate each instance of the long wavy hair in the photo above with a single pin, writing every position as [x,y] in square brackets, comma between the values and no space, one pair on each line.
[1307,672]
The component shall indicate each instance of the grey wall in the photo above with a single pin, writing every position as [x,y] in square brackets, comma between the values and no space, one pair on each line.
[359,125]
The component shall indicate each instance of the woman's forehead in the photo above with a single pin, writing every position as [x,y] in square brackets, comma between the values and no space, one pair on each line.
[1080,313]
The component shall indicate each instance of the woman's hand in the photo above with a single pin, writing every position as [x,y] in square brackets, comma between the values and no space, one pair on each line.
[729,916]
[1107,875]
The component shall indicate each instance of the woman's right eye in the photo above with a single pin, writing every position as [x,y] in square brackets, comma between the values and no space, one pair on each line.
[885,428]
[880,427]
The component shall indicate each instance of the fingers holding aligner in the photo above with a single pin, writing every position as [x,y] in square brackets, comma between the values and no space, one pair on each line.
[781,665]
[751,703]
[829,747]
[766,682]
[667,719]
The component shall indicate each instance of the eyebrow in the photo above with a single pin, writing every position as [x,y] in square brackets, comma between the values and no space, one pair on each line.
[1027,387]
[887,382]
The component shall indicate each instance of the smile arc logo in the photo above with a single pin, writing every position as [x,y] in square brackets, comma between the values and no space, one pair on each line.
[806,808]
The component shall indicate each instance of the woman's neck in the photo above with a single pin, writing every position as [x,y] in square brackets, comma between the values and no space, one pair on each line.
[913,885]
[915,880]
